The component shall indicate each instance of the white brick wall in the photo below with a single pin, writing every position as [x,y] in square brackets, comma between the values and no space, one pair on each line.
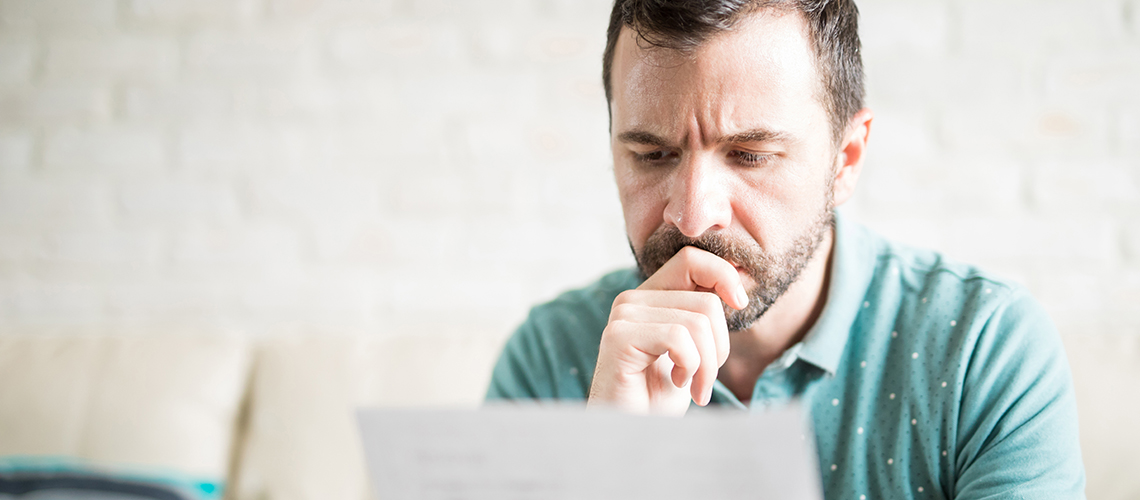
[60,16]
[430,165]
[108,59]
[1025,158]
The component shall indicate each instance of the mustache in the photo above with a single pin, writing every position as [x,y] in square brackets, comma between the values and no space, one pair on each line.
[666,241]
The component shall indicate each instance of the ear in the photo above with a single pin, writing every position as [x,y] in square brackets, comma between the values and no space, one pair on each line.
[852,151]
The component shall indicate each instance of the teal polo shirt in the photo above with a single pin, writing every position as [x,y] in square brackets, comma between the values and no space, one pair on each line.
[924,377]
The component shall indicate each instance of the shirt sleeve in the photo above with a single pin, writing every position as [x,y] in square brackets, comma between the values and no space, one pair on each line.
[553,353]
[1018,434]
[518,372]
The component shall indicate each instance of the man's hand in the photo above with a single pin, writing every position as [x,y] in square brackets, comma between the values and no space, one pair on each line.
[666,340]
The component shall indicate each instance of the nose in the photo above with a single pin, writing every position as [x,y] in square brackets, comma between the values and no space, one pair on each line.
[699,198]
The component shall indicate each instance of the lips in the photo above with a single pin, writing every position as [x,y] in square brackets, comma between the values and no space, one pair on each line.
[745,277]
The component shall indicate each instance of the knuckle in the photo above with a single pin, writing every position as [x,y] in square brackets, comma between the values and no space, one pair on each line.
[705,325]
[625,297]
[678,333]
[614,330]
[709,299]
[711,305]
[698,324]
[618,326]
[688,254]
[622,310]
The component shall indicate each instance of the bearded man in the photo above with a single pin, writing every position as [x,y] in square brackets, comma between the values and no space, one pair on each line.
[737,128]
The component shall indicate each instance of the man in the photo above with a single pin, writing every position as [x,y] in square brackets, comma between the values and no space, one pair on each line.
[737,127]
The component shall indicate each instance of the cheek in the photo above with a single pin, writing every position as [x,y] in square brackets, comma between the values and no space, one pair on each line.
[760,211]
[643,204]
[776,209]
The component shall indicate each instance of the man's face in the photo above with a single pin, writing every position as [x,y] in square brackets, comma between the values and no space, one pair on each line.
[727,148]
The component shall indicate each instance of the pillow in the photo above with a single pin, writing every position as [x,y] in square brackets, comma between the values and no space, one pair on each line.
[302,441]
[61,478]
[158,409]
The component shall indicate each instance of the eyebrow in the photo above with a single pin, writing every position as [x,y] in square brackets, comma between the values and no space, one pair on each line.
[642,137]
[754,135]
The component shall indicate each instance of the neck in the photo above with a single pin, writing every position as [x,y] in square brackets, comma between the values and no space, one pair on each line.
[783,325]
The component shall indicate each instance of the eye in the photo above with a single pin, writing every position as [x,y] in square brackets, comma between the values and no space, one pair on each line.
[659,156]
[748,159]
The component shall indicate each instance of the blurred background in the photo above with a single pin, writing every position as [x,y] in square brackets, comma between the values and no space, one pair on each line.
[407,166]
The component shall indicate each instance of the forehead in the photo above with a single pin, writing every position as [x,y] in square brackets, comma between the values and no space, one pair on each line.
[763,69]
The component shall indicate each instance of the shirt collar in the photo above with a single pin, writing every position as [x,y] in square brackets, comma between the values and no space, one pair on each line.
[852,269]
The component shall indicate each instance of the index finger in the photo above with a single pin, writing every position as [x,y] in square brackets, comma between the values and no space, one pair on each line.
[692,268]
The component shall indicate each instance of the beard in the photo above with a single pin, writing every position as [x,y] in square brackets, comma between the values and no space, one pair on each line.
[772,272]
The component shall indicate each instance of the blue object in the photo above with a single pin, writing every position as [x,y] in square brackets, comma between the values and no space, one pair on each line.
[61,477]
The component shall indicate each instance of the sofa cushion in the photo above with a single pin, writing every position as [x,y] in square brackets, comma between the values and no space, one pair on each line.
[157,405]
[1106,376]
[302,440]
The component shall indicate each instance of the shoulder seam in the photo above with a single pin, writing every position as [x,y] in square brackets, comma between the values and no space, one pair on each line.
[939,266]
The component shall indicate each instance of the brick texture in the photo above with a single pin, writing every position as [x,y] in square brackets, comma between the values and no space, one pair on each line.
[425,165]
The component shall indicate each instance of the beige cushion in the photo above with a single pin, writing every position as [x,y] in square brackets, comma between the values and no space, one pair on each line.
[168,401]
[302,440]
[1106,373]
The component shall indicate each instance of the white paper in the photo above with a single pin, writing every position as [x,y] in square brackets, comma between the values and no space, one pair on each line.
[543,452]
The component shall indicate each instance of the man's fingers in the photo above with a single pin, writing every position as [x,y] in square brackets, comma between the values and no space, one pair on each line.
[701,388]
[669,334]
[697,302]
[693,269]
[650,341]
[708,339]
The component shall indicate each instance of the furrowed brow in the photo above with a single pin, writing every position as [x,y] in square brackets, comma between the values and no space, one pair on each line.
[642,137]
[756,135]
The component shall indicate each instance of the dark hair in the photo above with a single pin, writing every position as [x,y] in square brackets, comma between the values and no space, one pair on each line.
[833,27]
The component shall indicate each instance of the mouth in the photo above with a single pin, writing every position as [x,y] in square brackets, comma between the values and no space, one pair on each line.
[745,276]
[738,267]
